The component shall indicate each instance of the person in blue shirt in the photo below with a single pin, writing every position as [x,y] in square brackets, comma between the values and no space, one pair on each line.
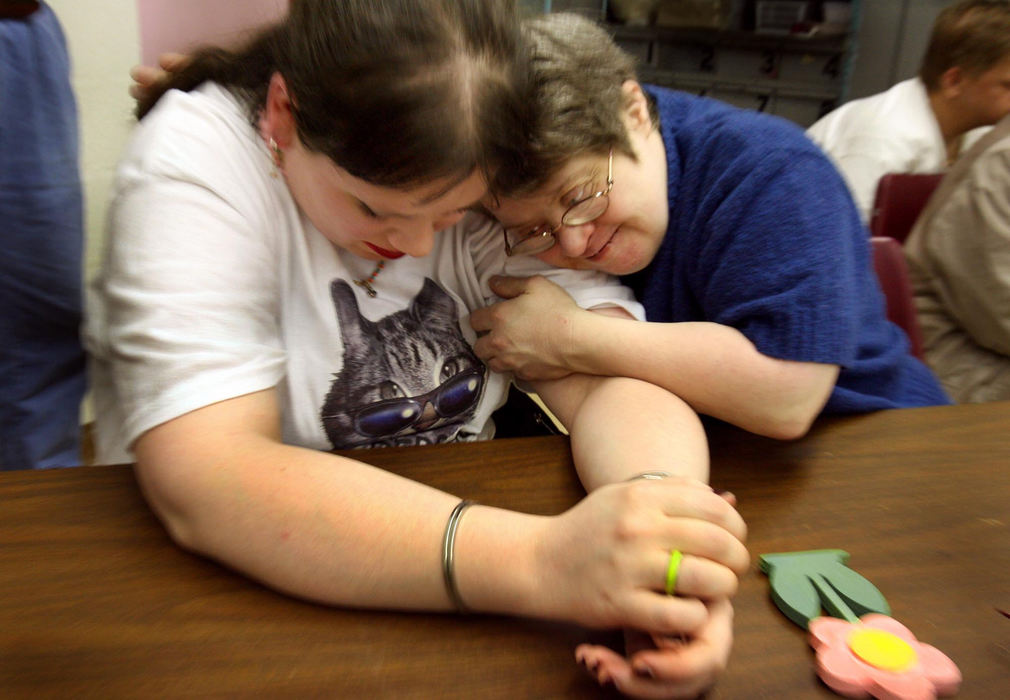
[737,234]
[740,239]
[42,375]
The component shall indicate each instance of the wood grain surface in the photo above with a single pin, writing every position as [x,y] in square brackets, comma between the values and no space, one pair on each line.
[95,601]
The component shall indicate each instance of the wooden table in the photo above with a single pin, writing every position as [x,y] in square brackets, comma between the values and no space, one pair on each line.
[96,601]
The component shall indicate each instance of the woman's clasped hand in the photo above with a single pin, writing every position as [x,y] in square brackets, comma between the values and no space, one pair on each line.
[614,549]
[605,563]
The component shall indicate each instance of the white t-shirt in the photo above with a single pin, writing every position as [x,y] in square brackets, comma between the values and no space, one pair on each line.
[215,286]
[891,132]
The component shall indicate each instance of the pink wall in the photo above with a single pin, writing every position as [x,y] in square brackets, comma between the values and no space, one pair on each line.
[178,25]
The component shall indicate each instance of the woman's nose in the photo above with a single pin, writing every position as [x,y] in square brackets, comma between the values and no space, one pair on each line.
[447,220]
[416,243]
[574,239]
[417,238]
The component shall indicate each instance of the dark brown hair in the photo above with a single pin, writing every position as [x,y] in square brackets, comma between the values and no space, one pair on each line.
[972,34]
[397,92]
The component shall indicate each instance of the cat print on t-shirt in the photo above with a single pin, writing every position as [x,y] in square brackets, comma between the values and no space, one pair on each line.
[407,379]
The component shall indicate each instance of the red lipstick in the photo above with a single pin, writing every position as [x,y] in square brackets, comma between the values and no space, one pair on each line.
[389,254]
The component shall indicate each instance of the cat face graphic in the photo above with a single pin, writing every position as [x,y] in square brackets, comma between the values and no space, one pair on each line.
[409,378]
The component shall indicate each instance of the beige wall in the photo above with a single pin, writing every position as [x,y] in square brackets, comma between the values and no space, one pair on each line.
[104,41]
[102,37]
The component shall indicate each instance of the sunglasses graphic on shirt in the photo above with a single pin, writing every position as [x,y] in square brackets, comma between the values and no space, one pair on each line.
[390,416]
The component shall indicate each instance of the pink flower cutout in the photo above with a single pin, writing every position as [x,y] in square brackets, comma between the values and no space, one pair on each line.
[879,657]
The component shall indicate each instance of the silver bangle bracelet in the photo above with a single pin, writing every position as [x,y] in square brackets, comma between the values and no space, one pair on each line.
[650,475]
[448,549]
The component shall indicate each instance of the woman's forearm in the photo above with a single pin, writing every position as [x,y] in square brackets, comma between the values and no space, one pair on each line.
[621,427]
[316,525]
[714,368]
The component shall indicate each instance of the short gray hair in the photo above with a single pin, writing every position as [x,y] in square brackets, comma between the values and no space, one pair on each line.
[576,101]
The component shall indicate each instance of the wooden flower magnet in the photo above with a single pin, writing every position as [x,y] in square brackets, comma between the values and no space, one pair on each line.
[869,656]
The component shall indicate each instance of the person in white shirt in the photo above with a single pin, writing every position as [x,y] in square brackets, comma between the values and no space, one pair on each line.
[292,262]
[922,124]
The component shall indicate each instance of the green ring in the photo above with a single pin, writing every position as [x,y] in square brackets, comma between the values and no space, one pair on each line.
[672,569]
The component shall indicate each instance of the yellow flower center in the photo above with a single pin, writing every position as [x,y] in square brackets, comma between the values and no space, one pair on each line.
[882,649]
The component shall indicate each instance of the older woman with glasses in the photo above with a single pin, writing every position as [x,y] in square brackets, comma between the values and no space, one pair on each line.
[738,236]
[583,204]
[736,233]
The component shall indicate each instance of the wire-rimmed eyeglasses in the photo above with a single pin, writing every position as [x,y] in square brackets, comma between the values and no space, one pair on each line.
[530,240]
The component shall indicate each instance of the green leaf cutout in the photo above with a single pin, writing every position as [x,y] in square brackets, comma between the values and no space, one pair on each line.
[804,582]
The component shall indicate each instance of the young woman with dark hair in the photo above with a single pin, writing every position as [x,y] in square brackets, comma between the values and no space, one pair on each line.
[292,261]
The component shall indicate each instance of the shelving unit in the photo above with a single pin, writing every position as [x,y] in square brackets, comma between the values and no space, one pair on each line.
[796,77]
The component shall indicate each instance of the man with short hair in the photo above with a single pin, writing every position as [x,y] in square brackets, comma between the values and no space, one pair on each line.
[922,124]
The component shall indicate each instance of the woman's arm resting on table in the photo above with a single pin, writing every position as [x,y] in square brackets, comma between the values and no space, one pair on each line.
[620,427]
[338,531]
[540,332]
[299,520]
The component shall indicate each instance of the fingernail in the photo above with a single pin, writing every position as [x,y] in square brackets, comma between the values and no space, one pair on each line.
[728,496]
[644,672]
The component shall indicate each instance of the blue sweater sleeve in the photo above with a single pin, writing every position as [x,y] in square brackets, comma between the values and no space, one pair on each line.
[775,244]
[780,259]
[763,236]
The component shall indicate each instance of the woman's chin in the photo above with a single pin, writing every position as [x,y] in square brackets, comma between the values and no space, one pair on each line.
[620,258]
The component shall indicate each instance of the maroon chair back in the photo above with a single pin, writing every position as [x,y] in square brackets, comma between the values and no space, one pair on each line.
[892,271]
[899,201]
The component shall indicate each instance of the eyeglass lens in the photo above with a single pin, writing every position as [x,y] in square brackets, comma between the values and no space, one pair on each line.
[587,210]
[542,237]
